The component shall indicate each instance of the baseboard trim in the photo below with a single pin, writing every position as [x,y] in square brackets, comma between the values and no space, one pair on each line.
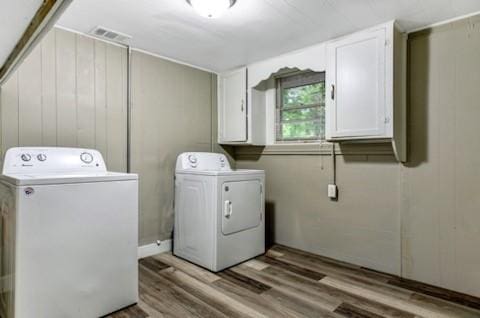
[154,249]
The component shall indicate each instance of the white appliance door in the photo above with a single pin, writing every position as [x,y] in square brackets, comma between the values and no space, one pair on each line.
[242,205]
[76,249]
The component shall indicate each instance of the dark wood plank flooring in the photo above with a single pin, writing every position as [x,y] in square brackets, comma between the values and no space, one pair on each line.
[286,282]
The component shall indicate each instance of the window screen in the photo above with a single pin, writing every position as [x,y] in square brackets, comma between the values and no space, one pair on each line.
[301,107]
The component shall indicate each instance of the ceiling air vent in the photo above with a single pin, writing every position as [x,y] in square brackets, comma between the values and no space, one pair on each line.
[110,35]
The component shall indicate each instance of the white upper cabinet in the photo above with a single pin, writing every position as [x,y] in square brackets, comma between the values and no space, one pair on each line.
[365,91]
[356,80]
[365,80]
[232,107]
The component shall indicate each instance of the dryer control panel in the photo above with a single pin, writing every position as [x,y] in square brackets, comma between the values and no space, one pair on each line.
[203,161]
[52,160]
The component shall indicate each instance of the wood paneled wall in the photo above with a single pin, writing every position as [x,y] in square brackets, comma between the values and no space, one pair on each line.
[70,91]
[171,113]
[420,220]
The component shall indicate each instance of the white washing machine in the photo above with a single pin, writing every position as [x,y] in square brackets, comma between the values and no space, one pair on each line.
[219,212]
[68,235]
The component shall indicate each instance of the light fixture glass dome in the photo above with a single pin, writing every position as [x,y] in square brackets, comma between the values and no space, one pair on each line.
[211,8]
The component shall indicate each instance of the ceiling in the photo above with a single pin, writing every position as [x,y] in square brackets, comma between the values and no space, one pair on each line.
[17,15]
[253,29]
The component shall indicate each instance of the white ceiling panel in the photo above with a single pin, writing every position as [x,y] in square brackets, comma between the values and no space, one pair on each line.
[253,29]
[15,16]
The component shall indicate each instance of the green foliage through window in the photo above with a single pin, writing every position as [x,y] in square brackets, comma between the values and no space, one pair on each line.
[301,107]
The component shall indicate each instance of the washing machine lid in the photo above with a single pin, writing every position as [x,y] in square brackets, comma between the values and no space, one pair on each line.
[40,179]
[55,165]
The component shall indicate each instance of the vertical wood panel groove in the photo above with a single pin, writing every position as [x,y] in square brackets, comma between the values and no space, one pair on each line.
[18,107]
[58,97]
[76,89]
[41,90]
[94,47]
[56,88]
[106,103]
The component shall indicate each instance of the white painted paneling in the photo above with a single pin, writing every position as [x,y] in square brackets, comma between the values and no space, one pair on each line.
[252,30]
[85,82]
[70,91]
[100,96]
[9,111]
[30,100]
[49,90]
[66,88]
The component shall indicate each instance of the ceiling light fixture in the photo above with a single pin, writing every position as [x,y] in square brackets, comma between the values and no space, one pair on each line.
[211,8]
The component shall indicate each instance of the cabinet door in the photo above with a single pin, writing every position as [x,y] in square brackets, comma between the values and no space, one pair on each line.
[356,78]
[233,106]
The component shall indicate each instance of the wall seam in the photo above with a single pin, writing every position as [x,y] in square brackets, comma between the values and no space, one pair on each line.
[76,90]
[95,94]
[56,87]
[41,94]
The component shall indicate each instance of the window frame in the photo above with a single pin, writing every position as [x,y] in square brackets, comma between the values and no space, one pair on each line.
[292,80]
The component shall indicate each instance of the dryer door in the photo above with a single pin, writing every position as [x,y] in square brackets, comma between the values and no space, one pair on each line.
[242,205]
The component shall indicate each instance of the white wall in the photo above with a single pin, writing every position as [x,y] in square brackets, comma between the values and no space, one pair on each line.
[69,91]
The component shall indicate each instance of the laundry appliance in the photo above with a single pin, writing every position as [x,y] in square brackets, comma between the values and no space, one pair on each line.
[68,234]
[219,212]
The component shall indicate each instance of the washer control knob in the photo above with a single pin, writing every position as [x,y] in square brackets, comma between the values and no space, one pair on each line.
[86,157]
[42,157]
[192,159]
[26,157]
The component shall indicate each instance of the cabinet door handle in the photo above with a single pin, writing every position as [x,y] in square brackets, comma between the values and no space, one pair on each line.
[332,92]
[241,105]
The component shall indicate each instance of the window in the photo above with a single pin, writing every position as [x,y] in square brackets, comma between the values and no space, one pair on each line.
[300,112]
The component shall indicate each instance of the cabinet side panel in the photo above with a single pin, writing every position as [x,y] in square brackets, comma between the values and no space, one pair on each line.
[400,95]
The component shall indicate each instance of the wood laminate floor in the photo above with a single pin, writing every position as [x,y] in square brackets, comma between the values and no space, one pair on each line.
[287,283]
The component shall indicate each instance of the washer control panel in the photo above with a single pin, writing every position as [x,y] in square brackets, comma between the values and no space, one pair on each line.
[52,159]
[192,159]
[202,161]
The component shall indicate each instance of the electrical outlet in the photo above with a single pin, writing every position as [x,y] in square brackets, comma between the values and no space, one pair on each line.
[332,191]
